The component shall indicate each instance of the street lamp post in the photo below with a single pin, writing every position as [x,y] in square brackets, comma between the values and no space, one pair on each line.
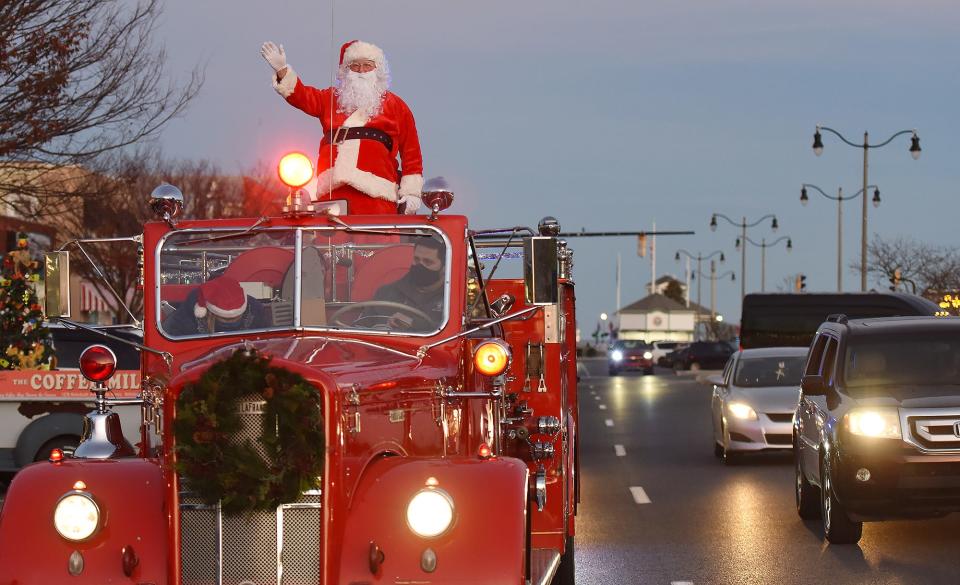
[866,146]
[840,198]
[699,258]
[713,285]
[763,245]
[743,225]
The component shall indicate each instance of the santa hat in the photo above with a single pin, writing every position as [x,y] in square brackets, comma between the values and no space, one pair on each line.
[224,297]
[354,50]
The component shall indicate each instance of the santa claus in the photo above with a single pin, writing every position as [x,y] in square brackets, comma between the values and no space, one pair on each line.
[366,128]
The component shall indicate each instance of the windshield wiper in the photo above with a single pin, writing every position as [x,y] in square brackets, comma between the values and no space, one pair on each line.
[249,230]
[389,232]
[422,352]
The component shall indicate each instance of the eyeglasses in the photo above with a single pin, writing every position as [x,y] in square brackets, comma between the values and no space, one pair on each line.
[362,66]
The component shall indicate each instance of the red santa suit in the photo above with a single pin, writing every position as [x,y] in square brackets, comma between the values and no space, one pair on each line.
[362,171]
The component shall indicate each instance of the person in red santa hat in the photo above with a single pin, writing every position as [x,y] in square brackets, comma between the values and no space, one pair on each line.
[366,127]
[216,306]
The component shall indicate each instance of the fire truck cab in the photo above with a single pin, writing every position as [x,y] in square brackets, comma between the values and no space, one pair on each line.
[447,398]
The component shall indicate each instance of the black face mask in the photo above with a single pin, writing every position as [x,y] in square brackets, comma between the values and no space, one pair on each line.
[422,276]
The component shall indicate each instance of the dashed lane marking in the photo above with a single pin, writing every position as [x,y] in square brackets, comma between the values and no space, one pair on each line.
[603,407]
[681,582]
[608,422]
[596,398]
[639,495]
[620,450]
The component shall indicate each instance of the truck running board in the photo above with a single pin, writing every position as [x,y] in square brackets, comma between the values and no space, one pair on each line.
[543,565]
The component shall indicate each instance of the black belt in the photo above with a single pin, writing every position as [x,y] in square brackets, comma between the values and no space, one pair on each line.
[346,133]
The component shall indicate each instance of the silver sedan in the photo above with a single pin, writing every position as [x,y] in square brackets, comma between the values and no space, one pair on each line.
[754,400]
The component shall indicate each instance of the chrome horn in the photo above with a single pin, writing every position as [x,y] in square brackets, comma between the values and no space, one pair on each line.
[437,196]
[166,201]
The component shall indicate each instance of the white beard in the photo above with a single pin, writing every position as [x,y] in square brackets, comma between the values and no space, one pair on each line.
[361,91]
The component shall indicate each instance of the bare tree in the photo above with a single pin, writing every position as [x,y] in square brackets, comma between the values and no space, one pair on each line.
[122,184]
[924,269]
[78,79]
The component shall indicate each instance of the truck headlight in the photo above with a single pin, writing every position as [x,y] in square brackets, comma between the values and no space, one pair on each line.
[76,516]
[430,512]
[647,355]
[742,410]
[879,423]
[616,355]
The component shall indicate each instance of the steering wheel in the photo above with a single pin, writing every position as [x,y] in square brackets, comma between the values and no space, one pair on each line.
[335,317]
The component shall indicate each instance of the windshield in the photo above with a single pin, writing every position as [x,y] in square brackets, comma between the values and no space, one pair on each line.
[761,372]
[214,282]
[915,360]
[632,345]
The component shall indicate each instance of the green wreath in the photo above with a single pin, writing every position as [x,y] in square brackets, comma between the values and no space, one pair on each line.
[234,474]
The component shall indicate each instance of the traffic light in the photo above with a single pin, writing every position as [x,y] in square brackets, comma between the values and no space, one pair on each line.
[801,284]
[642,245]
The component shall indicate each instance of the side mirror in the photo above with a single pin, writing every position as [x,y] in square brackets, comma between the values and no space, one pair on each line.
[717,380]
[56,284]
[813,385]
[540,270]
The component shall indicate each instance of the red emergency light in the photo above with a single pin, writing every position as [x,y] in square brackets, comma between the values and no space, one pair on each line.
[295,170]
[98,363]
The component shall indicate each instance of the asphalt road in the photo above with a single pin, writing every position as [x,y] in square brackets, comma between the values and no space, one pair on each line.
[658,508]
[694,520]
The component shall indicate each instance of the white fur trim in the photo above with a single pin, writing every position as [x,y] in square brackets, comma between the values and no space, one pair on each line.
[411,185]
[227,314]
[199,312]
[345,171]
[362,50]
[286,85]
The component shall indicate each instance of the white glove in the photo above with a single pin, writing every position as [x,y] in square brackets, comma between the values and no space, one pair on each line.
[413,204]
[274,55]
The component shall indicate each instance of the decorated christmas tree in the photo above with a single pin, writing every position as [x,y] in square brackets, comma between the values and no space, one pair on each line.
[24,342]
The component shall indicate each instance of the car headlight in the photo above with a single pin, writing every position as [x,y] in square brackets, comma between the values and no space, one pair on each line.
[742,410]
[76,516]
[879,423]
[647,355]
[616,355]
[430,512]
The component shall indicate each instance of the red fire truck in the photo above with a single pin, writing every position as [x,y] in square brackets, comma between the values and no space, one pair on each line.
[357,422]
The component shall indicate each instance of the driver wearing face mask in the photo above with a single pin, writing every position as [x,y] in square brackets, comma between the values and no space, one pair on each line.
[421,288]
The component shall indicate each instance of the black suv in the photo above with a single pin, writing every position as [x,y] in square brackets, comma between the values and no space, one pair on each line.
[876,434]
[702,355]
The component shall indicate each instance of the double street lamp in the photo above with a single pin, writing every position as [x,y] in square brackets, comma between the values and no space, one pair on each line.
[713,287]
[866,146]
[699,258]
[743,225]
[763,245]
[839,198]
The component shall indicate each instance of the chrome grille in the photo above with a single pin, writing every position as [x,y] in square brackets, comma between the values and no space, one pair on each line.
[280,547]
[932,429]
[260,548]
[936,432]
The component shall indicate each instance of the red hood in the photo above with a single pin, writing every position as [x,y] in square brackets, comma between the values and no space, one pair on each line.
[348,361]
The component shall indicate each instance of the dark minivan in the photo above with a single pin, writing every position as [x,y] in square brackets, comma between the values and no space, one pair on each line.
[790,320]
[877,429]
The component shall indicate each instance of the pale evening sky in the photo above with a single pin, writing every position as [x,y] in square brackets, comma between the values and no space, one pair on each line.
[610,115]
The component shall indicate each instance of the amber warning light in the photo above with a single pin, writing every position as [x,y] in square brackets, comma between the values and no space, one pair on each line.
[295,170]
[492,358]
[98,363]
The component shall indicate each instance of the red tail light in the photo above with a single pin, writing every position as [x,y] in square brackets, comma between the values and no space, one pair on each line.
[56,456]
[98,363]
